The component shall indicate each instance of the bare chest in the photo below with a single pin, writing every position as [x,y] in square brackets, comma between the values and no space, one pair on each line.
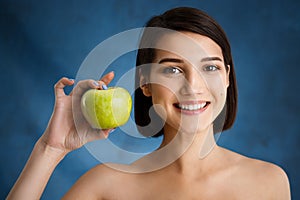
[174,189]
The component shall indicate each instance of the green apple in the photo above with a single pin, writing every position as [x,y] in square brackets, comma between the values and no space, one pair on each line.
[106,109]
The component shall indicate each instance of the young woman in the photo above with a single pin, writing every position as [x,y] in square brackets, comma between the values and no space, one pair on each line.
[191,85]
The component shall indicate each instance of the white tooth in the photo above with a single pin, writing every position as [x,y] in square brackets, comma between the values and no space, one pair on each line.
[192,106]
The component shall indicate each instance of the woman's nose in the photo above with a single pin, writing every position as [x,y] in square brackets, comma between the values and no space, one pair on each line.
[194,83]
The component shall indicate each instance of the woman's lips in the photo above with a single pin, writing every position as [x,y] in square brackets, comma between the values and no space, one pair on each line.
[192,108]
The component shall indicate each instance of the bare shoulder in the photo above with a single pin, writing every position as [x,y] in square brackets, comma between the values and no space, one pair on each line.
[96,183]
[266,179]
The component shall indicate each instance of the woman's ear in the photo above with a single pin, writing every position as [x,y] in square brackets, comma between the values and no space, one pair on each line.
[145,86]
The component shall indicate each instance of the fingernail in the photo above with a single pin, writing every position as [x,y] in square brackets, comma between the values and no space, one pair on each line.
[71,79]
[112,130]
[104,87]
[96,83]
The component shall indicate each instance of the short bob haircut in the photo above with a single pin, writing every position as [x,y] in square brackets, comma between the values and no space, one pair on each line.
[188,20]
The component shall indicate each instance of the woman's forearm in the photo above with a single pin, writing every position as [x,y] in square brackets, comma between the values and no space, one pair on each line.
[36,173]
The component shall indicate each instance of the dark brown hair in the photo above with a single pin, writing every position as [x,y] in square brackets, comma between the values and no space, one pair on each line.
[195,21]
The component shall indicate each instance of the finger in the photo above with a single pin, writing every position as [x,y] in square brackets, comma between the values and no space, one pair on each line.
[107,78]
[60,85]
[97,134]
[83,86]
[107,132]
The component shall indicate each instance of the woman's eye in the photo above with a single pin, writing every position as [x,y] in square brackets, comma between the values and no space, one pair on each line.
[171,70]
[211,68]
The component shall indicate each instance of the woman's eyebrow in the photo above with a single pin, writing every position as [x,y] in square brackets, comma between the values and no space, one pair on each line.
[177,60]
[174,60]
[211,59]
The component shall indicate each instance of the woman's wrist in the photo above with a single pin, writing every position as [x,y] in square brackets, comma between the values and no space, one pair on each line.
[52,153]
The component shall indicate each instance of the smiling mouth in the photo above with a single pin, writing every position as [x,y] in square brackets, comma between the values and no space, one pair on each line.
[192,106]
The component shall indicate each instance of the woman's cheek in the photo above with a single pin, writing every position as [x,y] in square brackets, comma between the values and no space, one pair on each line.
[218,90]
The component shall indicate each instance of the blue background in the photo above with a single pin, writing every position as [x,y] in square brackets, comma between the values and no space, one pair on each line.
[41,41]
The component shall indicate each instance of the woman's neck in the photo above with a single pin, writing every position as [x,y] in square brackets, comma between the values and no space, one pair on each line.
[194,150]
[179,152]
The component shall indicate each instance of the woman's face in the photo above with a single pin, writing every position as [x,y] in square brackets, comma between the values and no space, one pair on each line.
[188,81]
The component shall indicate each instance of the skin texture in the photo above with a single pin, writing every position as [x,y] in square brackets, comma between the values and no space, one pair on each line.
[219,174]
